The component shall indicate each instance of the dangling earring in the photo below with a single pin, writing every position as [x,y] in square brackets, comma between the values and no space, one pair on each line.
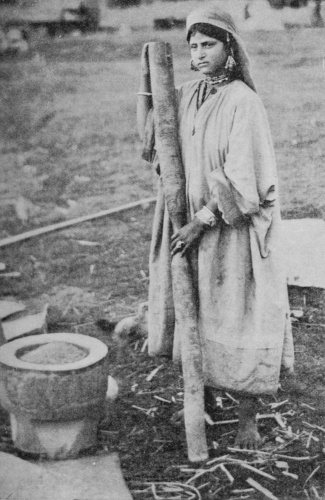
[193,67]
[230,63]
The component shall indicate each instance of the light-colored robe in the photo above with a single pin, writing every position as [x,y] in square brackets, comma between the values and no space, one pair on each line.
[242,300]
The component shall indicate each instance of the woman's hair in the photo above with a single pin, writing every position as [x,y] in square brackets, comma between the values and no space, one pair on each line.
[222,35]
[208,30]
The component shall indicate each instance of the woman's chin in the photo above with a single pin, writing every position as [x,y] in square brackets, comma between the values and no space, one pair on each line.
[205,71]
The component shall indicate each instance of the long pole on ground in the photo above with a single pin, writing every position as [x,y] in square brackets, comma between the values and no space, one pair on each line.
[72,222]
[167,146]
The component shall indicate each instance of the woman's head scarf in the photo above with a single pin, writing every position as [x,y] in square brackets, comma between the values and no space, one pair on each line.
[217,17]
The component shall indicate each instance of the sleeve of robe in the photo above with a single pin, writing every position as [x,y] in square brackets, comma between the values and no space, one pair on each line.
[245,188]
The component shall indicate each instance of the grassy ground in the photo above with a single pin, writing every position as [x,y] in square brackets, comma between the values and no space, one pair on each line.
[69,147]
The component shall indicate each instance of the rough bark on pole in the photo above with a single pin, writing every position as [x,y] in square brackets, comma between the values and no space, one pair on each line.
[166,130]
[186,320]
[167,146]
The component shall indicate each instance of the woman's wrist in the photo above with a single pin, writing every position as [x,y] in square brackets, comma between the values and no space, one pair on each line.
[206,217]
[199,224]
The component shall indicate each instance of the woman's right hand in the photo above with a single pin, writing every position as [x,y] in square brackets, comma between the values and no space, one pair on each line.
[187,237]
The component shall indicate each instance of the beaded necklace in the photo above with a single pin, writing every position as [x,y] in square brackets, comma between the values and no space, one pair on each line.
[214,80]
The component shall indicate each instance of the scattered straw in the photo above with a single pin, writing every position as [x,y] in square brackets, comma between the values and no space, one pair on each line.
[145,344]
[309,439]
[257,471]
[217,459]
[276,405]
[153,373]
[150,412]
[163,400]
[279,420]
[220,474]
[290,474]
[226,471]
[163,490]
[224,422]
[244,450]
[261,488]
[314,490]
[314,426]
[306,493]
[297,459]
[243,491]
[311,475]
[232,398]
[304,405]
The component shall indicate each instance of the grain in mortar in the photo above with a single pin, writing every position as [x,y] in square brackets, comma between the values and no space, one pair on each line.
[54,353]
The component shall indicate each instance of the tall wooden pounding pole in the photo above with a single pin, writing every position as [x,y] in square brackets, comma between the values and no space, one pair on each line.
[167,146]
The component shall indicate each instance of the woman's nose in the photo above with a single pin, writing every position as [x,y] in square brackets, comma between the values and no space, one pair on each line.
[201,52]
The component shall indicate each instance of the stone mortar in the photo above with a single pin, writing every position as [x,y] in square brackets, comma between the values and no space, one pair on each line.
[54,409]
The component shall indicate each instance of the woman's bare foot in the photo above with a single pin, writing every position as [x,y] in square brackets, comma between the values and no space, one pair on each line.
[248,436]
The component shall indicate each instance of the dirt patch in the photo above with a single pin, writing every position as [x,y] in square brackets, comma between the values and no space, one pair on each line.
[138,425]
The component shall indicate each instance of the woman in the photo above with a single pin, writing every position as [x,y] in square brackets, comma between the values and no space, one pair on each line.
[232,237]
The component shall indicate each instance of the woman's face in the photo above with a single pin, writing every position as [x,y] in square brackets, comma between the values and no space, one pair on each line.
[208,54]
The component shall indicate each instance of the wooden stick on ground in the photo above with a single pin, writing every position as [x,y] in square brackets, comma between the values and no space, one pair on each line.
[167,146]
[72,222]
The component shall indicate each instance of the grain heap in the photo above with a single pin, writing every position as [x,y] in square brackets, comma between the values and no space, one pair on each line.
[54,353]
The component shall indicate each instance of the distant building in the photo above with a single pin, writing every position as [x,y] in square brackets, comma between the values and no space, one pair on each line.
[279,4]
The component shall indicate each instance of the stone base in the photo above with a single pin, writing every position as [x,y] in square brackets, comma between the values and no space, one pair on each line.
[96,477]
[55,440]
[54,408]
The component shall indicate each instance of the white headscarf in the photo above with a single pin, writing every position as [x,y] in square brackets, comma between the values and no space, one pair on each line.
[217,17]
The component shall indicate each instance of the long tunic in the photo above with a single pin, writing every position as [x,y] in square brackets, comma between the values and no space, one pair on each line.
[237,269]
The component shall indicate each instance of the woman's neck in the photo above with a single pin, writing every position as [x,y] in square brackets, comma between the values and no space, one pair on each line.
[218,79]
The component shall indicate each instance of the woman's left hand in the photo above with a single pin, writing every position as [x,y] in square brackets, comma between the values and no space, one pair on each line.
[187,236]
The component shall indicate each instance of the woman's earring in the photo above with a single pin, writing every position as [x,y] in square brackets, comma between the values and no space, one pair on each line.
[193,68]
[230,63]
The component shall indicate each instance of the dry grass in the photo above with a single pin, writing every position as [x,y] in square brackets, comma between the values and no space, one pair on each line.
[69,144]
[70,110]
